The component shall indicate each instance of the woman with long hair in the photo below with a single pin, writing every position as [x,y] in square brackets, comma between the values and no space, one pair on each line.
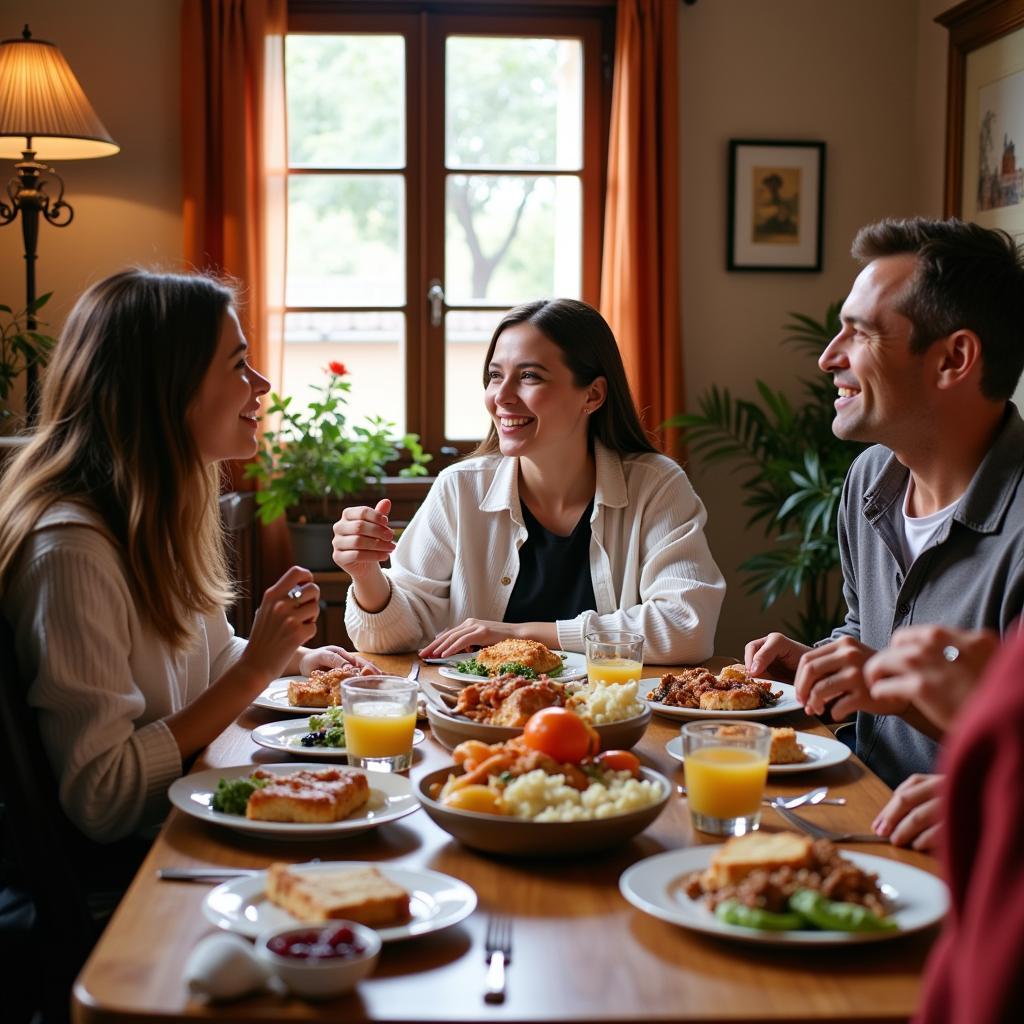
[112,565]
[564,521]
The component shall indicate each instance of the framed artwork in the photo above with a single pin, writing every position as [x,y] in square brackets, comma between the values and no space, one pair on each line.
[985,114]
[776,199]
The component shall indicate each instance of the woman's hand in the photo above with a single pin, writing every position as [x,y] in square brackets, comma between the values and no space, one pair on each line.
[363,539]
[283,623]
[334,657]
[482,633]
[913,815]
[775,655]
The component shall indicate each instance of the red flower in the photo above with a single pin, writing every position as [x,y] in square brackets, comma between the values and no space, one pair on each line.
[338,369]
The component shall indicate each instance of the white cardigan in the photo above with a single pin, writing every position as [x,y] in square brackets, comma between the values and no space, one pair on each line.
[100,678]
[650,564]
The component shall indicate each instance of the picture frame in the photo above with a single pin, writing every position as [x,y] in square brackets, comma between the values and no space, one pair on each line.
[776,205]
[985,114]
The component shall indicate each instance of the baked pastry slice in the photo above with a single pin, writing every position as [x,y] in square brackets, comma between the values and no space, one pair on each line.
[740,699]
[308,797]
[530,653]
[355,894]
[785,748]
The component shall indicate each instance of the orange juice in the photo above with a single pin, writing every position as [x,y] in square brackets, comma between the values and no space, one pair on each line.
[379,729]
[614,670]
[725,782]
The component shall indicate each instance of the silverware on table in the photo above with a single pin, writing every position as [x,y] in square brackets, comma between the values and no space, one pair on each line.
[414,672]
[815,831]
[202,874]
[794,801]
[498,952]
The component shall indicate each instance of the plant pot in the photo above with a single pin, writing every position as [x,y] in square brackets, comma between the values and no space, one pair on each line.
[311,545]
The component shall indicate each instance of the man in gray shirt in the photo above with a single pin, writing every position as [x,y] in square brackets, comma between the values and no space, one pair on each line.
[931,524]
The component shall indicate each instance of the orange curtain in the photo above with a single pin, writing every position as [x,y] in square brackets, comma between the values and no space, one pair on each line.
[235,161]
[640,261]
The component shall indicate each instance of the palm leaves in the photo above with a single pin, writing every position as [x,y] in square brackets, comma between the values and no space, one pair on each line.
[795,470]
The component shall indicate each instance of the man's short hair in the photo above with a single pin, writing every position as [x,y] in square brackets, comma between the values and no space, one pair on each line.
[967,277]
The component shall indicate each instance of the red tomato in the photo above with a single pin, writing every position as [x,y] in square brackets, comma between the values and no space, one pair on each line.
[619,761]
[560,734]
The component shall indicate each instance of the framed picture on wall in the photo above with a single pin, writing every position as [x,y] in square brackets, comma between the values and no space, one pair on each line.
[985,114]
[776,199]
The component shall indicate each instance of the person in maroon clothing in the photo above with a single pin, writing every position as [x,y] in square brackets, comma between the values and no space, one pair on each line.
[974,974]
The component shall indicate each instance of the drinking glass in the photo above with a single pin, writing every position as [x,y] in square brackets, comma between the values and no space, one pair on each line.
[726,765]
[614,656]
[380,718]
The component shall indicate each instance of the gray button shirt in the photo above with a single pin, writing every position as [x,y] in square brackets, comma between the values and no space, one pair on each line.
[970,574]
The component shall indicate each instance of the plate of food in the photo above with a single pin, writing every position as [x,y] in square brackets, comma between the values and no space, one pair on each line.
[699,693]
[781,888]
[791,751]
[399,903]
[545,793]
[498,709]
[323,736]
[298,695]
[514,657]
[294,801]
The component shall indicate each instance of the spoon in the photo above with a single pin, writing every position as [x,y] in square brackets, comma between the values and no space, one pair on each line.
[815,796]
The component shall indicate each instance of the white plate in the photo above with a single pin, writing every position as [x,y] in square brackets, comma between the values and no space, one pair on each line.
[437,901]
[275,698]
[574,666]
[918,899]
[391,797]
[285,735]
[787,703]
[822,752]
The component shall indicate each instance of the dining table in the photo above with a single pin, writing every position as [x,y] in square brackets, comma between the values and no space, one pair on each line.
[579,950]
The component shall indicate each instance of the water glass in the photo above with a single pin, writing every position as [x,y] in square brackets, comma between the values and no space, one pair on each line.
[614,655]
[726,766]
[380,719]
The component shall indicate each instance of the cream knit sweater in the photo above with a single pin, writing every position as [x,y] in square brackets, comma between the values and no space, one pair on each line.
[650,564]
[100,679]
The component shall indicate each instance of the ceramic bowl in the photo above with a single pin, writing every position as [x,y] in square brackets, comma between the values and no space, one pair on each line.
[495,833]
[451,730]
[321,978]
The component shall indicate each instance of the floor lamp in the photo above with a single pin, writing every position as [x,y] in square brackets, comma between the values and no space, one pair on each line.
[41,104]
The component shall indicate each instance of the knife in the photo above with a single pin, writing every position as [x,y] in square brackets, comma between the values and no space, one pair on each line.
[202,874]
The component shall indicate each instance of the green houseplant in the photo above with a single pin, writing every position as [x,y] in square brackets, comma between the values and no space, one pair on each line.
[316,457]
[20,348]
[796,469]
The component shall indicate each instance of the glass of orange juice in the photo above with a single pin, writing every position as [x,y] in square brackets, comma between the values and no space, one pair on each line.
[380,718]
[726,765]
[614,656]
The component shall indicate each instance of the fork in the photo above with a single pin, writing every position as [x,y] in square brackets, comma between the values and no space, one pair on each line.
[497,952]
[817,832]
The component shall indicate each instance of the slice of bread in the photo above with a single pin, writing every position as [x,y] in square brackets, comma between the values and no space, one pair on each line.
[309,797]
[357,894]
[766,850]
[785,748]
[729,700]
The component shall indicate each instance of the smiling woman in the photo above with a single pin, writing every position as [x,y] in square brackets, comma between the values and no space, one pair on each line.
[564,521]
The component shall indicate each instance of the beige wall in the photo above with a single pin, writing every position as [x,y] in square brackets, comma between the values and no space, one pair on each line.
[866,76]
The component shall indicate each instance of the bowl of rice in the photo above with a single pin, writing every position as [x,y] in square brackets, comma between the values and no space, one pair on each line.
[547,817]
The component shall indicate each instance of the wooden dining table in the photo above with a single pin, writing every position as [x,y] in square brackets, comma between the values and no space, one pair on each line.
[580,951]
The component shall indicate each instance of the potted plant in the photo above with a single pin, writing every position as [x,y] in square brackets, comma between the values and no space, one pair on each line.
[797,468]
[20,347]
[316,457]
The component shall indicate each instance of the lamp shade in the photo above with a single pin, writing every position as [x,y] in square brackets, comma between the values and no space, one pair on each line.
[41,101]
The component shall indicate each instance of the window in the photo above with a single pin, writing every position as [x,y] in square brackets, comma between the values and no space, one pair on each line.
[442,168]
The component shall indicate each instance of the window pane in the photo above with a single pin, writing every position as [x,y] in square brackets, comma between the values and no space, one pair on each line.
[372,347]
[346,100]
[509,238]
[466,337]
[514,102]
[346,240]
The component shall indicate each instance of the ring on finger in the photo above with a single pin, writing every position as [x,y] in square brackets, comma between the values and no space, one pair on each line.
[295,594]
[950,653]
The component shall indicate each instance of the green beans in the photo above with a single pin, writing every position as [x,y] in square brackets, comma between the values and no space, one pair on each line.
[734,912]
[837,917]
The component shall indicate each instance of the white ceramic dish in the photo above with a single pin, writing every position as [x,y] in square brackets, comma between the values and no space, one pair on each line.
[787,704]
[653,885]
[574,666]
[437,901]
[822,752]
[284,737]
[391,797]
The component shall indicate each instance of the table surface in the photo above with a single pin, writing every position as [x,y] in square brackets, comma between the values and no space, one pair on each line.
[580,951]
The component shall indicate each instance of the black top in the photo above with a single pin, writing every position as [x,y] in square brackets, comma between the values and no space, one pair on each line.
[554,573]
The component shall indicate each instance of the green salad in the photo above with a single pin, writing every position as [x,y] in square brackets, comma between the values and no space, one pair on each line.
[807,910]
[232,795]
[326,730]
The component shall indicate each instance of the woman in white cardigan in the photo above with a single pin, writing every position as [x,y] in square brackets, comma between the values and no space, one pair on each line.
[112,568]
[565,520]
